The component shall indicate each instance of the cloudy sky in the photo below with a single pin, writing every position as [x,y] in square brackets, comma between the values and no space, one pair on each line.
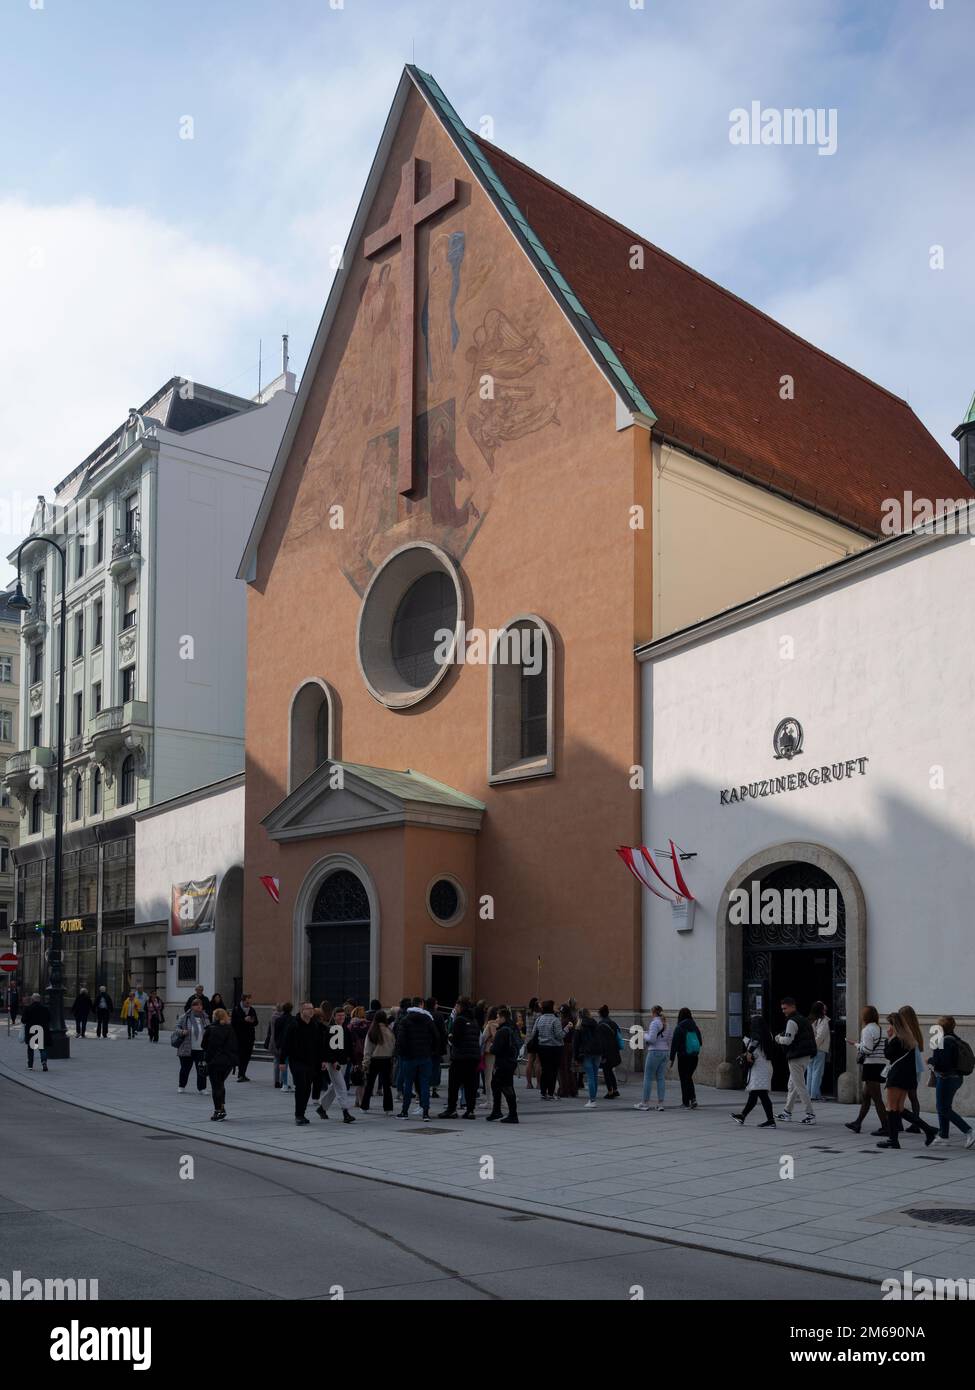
[129,254]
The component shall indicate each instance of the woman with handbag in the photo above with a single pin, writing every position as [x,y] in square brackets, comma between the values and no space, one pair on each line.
[759,1048]
[900,1051]
[913,1025]
[870,1057]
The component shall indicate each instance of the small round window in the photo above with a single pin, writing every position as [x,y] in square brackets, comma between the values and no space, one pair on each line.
[445,901]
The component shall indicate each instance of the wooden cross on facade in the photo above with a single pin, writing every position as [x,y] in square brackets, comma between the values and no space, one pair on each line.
[406,216]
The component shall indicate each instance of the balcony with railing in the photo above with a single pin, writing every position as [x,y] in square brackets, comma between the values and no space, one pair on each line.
[126,550]
[20,765]
[34,622]
[111,727]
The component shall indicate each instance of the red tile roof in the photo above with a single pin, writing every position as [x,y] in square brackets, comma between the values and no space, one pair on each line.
[709,364]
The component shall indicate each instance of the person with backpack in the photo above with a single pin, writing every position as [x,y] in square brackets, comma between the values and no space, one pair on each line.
[900,1050]
[685,1048]
[505,1049]
[951,1063]
[799,1042]
[613,1044]
[759,1047]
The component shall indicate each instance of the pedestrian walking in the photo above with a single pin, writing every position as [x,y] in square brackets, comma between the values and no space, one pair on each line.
[532,1063]
[130,1012]
[37,1030]
[872,1063]
[220,1056]
[81,1009]
[13,1001]
[417,1041]
[587,1047]
[950,1064]
[491,1025]
[913,1108]
[545,1041]
[143,999]
[338,1050]
[243,1020]
[899,1049]
[685,1049]
[199,994]
[465,1056]
[758,1051]
[568,1082]
[302,1049]
[190,1030]
[216,1002]
[280,1021]
[155,1016]
[505,1049]
[799,1041]
[613,1044]
[657,1040]
[355,1077]
[436,1061]
[377,1059]
[819,1019]
[103,1012]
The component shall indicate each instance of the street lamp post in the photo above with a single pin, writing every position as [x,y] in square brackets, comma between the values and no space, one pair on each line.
[57,1043]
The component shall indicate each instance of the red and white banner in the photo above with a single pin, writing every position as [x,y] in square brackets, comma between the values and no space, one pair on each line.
[273,886]
[639,859]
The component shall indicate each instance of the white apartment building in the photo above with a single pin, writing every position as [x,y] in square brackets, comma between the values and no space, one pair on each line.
[9,732]
[153,523]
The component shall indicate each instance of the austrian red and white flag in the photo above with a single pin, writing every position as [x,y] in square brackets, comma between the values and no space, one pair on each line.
[273,886]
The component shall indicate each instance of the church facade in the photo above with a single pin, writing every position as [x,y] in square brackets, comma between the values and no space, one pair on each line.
[526,443]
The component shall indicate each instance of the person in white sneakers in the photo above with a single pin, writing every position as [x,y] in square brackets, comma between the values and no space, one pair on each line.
[799,1042]
[951,1063]
[657,1038]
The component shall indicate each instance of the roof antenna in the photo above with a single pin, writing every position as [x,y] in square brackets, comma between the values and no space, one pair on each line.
[259,346]
[284,354]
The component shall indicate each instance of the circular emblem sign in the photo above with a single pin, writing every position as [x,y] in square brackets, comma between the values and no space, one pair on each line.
[787,739]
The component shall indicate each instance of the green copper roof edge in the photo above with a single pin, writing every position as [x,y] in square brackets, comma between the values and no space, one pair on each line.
[599,347]
[970,417]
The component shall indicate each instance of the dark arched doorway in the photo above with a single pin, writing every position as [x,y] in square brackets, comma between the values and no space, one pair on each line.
[805,958]
[338,939]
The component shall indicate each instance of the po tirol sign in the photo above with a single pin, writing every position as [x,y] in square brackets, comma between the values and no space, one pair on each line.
[787,744]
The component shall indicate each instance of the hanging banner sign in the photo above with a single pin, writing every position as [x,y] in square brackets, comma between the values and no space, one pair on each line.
[194,906]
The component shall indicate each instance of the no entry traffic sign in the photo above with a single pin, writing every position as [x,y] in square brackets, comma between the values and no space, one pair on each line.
[8,962]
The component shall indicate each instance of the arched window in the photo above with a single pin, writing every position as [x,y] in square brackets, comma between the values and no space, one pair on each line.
[522,709]
[126,793]
[96,791]
[76,796]
[35,814]
[312,730]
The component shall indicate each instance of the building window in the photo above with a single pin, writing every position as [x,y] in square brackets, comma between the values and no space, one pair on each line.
[96,791]
[96,698]
[6,669]
[131,515]
[80,561]
[4,856]
[445,901]
[127,781]
[128,605]
[408,625]
[79,713]
[96,618]
[36,663]
[522,692]
[36,730]
[6,726]
[77,788]
[311,737]
[4,798]
[35,814]
[99,540]
[79,635]
[128,684]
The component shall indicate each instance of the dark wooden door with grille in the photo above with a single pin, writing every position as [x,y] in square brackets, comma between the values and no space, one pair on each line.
[338,937]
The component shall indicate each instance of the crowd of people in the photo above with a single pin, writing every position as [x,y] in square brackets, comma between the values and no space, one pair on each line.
[354,1057]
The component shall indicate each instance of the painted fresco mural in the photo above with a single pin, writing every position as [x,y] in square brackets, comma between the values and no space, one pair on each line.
[485,380]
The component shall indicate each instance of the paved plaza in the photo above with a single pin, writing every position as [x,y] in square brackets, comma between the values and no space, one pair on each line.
[690,1177]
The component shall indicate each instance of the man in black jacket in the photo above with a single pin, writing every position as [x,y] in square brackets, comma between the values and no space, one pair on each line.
[302,1049]
[417,1041]
[505,1050]
[198,994]
[243,1020]
[103,1011]
[465,1056]
[37,1028]
[609,1036]
[338,1045]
